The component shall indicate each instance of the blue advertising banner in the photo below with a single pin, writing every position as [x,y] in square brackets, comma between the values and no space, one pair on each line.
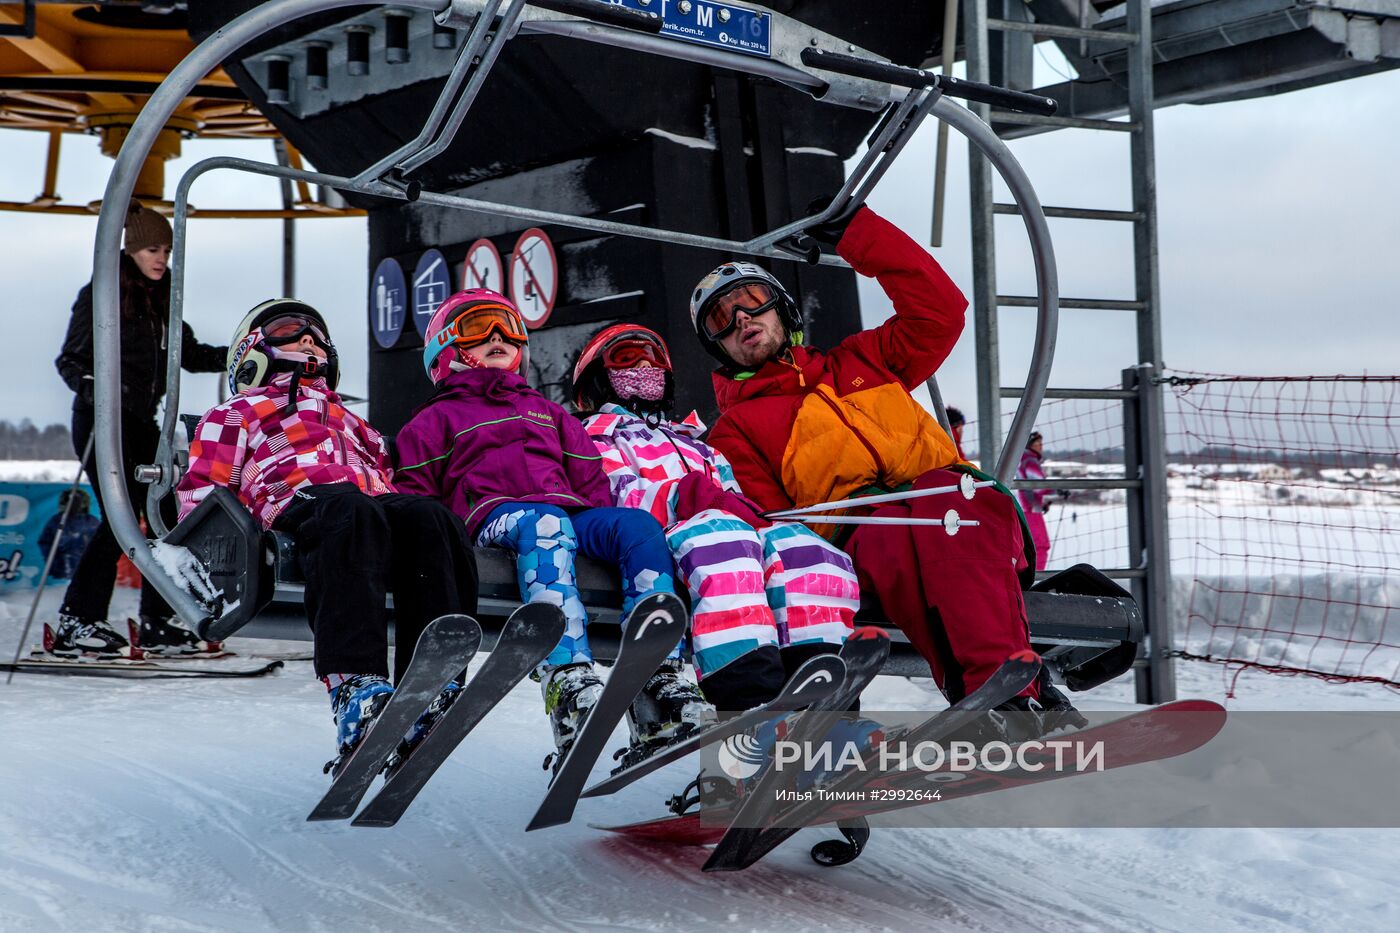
[29,520]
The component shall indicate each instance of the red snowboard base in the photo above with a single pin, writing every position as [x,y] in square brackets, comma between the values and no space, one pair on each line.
[1151,735]
[687,830]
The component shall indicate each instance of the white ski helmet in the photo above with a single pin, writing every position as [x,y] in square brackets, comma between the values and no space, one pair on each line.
[254,355]
[726,278]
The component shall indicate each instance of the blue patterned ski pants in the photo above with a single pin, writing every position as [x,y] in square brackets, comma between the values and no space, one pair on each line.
[545,538]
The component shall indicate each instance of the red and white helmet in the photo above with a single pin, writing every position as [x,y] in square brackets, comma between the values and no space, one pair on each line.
[466,319]
[620,346]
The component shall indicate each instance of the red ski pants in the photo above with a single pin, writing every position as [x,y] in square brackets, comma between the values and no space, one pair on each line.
[956,597]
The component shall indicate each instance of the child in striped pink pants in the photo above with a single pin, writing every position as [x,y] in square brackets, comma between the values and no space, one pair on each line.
[764,597]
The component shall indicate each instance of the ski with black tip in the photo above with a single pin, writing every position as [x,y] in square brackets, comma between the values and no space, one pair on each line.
[815,680]
[864,653]
[655,626]
[118,668]
[445,648]
[745,844]
[528,636]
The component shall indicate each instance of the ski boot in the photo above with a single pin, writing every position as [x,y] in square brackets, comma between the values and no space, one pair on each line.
[415,736]
[164,638]
[76,638]
[1057,711]
[570,693]
[1023,719]
[668,709]
[355,704]
[669,706]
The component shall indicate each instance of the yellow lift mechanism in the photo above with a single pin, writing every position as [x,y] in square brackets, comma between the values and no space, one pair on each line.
[75,75]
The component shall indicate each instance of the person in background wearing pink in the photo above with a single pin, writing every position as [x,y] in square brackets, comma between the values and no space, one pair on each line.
[1035,501]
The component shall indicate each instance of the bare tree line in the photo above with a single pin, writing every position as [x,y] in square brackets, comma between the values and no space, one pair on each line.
[28,441]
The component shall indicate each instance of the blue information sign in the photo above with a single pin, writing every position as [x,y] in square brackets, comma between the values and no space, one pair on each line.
[718,25]
[387,302]
[432,283]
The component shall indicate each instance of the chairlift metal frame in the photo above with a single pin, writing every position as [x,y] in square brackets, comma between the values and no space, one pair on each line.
[822,65]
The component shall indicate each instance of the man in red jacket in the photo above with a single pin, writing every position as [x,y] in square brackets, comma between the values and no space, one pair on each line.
[801,426]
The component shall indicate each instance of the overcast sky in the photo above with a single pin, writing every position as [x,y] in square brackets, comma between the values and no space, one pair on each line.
[1279,234]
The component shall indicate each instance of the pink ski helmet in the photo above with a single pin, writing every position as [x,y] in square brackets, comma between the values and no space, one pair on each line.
[467,318]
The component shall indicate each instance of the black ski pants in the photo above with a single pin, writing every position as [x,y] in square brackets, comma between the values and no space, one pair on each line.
[353,547]
[90,590]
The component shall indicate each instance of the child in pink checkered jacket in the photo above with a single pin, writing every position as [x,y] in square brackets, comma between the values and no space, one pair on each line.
[305,465]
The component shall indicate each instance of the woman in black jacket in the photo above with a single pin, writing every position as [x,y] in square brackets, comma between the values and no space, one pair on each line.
[145,307]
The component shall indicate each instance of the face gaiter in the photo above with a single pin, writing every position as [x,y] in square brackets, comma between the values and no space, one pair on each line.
[646,384]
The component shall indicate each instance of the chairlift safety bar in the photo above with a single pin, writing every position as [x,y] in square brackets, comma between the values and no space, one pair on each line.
[798,52]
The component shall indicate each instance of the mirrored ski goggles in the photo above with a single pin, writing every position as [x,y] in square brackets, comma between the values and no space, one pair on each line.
[627,352]
[281,331]
[752,298]
[476,325]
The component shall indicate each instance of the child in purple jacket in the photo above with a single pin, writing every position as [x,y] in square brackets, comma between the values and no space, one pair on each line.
[524,475]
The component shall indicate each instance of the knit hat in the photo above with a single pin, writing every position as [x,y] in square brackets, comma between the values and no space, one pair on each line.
[145,228]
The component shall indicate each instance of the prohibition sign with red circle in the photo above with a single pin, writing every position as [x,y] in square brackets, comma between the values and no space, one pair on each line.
[534,276]
[483,267]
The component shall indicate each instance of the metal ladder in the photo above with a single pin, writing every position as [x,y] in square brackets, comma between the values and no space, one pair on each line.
[1147,571]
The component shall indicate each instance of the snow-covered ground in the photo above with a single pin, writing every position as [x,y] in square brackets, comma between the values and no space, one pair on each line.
[180,805]
[38,471]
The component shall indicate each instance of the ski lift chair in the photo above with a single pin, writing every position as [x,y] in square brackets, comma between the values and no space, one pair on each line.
[1086,627]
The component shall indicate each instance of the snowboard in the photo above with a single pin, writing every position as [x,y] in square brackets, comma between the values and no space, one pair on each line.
[1159,737]
[444,650]
[528,636]
[816,679]
[655,626]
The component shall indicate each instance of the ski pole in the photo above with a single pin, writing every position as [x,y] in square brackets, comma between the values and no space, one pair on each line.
[967,486]
[950,521]
[48,562]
